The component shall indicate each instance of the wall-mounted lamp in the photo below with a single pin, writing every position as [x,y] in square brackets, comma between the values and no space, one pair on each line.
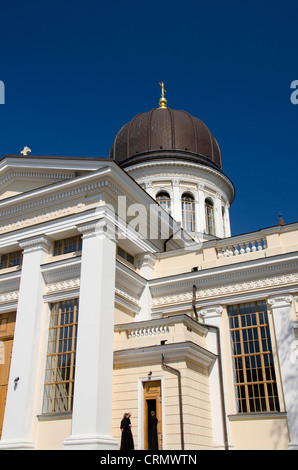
[149,374]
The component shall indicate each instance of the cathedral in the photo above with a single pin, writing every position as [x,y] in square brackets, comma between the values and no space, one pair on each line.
[124,292]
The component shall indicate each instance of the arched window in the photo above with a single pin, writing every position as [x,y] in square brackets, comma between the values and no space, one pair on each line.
[188,212]
[209,211]
[164,201]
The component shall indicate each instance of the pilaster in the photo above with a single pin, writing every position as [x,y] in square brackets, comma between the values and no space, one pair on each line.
[92,407]
[201,214]
[18,426]
[211,316]
[286,345]
[218,217]
[146,263]
[177,212]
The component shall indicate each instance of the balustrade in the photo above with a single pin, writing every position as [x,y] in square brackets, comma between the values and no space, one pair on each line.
[245,247]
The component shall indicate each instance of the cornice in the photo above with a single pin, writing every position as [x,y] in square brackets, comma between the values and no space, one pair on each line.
[172,352]
[34,174]
[245,270]
[226,281]
[159,325]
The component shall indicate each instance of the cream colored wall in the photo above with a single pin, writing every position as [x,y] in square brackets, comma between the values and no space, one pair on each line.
[196,407]
[177,263]
[52,433]
[279,240]
[123,315]
[196,404]
[257,433]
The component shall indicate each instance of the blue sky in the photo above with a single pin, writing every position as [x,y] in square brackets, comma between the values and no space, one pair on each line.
[75,71]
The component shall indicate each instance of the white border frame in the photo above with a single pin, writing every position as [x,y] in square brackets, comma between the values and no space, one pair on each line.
[141,381]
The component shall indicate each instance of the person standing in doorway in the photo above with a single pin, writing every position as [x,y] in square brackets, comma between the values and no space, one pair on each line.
[127,442]
[152,432]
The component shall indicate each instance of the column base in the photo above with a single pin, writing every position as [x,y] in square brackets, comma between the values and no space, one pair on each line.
[293,446]
[16,445]
[96,442]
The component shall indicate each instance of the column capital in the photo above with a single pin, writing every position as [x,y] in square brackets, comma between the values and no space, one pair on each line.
[146,260]
[40,242]
[279,300]
[100,227]
[213,310]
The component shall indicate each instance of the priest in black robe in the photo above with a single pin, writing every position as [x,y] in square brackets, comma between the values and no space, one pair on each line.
[127,442]
[152,432]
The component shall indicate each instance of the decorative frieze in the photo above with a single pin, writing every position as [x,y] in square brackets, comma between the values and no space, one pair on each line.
[35,174]
[62,286]
[36,214]
[43,216]
[241,287]
[129,296]
[9,297]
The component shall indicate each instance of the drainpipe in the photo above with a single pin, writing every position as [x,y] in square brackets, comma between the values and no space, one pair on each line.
[219,357]
[178,373]
[194,292]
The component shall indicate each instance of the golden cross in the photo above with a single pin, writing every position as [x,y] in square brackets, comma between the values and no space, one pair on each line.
[163,91]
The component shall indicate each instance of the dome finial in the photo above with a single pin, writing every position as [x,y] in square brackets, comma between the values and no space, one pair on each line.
[162,100]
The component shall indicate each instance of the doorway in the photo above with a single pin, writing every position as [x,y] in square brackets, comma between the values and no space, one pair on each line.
[152,403]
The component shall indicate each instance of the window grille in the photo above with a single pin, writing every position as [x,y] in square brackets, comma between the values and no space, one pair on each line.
[68,245]
[61,357]
[210,223]
[164,201]
[11,259]
[188,212]
[253,364]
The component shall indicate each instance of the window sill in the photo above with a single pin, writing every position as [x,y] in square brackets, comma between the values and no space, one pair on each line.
[11,269]
[263,415]
[53,416]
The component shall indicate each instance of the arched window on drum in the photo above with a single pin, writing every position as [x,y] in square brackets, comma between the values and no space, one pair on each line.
[188,212]
[164,201]
[209,212]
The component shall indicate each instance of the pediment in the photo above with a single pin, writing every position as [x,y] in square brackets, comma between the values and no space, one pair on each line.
[16,182]
[22,174]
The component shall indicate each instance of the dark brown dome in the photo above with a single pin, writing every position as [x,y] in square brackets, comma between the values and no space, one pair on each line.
[165,133]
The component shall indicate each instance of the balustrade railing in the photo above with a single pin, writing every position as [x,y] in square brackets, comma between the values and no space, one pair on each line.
[241,248]
[148,331]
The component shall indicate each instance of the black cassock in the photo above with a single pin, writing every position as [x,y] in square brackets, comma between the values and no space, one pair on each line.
[126,436]
[152,433]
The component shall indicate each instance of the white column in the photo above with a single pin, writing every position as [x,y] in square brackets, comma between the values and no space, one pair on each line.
[213,316]
[148,187]
[202,223]
[20,412]
[288,361]
[92,407]
[227,221]
[176,210]
[218,217]
[197,215]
